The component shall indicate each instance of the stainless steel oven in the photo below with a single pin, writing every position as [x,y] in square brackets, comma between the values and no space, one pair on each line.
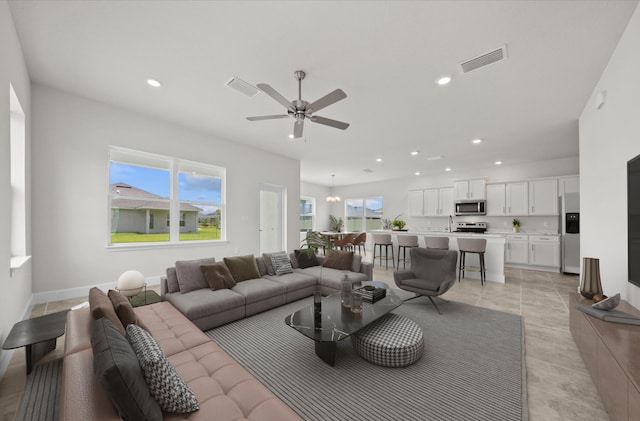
[471,207]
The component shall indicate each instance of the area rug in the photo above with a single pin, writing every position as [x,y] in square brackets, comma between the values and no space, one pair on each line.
[40,401]
[473,367]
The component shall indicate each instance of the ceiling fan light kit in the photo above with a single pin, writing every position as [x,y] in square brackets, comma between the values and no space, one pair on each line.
[300,109]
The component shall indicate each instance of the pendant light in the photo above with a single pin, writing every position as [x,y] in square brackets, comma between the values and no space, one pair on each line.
[331,198]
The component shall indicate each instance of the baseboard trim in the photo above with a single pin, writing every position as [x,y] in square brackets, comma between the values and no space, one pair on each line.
[65,294]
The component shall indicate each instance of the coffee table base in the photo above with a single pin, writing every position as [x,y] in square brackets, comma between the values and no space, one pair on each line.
[327,351]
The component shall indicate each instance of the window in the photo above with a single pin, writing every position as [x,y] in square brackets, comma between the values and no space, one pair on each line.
[145,188]
[364,214]
[307,213]
[17,129]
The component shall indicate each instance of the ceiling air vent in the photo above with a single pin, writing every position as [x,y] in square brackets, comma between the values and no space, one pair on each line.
[242,86]
[484,59]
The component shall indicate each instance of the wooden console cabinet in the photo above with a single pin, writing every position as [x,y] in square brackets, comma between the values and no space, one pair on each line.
[611,352]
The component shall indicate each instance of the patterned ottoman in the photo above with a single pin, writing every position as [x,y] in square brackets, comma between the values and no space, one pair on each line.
[391,341]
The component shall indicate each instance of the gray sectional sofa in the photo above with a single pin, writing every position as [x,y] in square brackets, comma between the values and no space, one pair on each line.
[184,286]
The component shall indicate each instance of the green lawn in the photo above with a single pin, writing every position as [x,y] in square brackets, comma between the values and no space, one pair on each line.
[204,233]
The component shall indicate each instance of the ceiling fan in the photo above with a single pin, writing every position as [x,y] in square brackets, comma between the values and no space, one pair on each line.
[300,109]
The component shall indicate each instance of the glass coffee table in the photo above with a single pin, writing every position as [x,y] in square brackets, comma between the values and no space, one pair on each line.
[337,323]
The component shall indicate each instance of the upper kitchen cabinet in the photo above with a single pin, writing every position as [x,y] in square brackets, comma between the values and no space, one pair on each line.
[543,197]
[416,203]
[470,189]
[496,200]
[438,202]
[517,198]
[569,184]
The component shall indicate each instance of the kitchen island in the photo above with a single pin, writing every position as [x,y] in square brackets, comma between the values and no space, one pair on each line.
[493,257]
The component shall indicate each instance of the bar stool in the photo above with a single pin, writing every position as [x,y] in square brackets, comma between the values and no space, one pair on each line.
[383,240]
[405,242]
[441,243]
[472,245]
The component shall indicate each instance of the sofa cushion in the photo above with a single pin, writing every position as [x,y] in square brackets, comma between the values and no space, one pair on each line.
[281,263]
[165,384]
[190,276]
[267,261]
[124,309]
[294,281]
[118,371]
[340,260]
[206,302]
[306,258]
[255,290]
[218,276]
[172,280]
[101,306]
[242,267]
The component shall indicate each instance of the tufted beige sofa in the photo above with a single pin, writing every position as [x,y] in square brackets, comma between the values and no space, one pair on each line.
[225,390]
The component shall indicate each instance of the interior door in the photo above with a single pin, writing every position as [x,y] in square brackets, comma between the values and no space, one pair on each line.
[272,218]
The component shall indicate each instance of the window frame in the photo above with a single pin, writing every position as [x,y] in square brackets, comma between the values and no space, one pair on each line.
[363,217]
[312,214]
[174,166]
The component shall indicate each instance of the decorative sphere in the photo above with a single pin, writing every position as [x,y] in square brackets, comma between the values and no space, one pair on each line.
[130,283]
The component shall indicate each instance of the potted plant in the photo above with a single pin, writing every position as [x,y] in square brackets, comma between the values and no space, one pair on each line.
[398,224]
[335,224]
[516,225]
[387,224]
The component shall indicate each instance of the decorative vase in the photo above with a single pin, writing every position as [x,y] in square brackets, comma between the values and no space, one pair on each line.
[590,284]
[516,228]
[346,291]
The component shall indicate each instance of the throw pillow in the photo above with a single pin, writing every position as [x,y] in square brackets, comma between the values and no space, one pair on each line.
[124,309]
[281,263]
[267,262]
[242,267]
[339,260]
[306,259]
[218,276]
[165,384]
[118,371]
[190,277]
[100,306]
[172,281]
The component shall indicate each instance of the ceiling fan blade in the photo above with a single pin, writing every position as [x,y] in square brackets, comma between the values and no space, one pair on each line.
[275,95]
[297,128]
[267,117]
[329,122]
[326,100]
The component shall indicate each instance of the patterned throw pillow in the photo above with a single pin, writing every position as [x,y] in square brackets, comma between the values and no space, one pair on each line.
[165,384]
[281,263]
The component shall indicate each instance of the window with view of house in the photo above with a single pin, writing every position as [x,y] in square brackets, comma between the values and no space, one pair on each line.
[146,189]
[363,214]
[307,213]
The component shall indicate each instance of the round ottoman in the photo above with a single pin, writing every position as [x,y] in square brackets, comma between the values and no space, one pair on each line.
[390,341]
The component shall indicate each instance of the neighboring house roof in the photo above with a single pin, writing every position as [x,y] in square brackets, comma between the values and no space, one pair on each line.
[135,198]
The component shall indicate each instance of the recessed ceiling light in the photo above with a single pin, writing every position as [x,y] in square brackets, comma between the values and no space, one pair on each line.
[443,80]
[447,169]
[378,159]
[290,136]
[478,140]
[417,172]
[435,158]
[154,82]
[414,153]
[498,162]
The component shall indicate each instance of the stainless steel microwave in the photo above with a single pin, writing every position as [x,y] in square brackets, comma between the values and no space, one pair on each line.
[471,207]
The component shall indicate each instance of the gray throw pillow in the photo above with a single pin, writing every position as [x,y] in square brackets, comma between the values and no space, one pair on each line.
[281,263]
[172,281]
[242,267]
[118,371]
[218,276]
[306,258]
[101,306]
[165,384]
[267,262]
[190,277]
[339,260]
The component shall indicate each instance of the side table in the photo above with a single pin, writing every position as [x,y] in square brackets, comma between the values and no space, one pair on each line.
[38,335]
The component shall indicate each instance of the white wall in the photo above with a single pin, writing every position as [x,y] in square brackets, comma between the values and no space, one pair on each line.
[16,288]
[71,136]
[609,137]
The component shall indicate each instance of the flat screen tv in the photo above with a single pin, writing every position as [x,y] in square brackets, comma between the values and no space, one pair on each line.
[633,220]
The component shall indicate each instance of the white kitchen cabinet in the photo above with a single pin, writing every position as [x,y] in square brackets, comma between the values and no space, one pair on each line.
[543,197]
[416,202]
[517,198]
[544,250]
[438,201]
[517,249]
[470,189]
[496,200]
[569,184]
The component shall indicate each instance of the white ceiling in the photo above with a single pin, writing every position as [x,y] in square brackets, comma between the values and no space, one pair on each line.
[386,55]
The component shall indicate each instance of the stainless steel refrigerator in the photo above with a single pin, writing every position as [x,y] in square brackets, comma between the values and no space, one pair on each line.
[570,215]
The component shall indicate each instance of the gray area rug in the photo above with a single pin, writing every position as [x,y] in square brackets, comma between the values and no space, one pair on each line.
[40,401]
[473,367]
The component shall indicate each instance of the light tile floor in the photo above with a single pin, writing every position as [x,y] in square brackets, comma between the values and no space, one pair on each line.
[559,386]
